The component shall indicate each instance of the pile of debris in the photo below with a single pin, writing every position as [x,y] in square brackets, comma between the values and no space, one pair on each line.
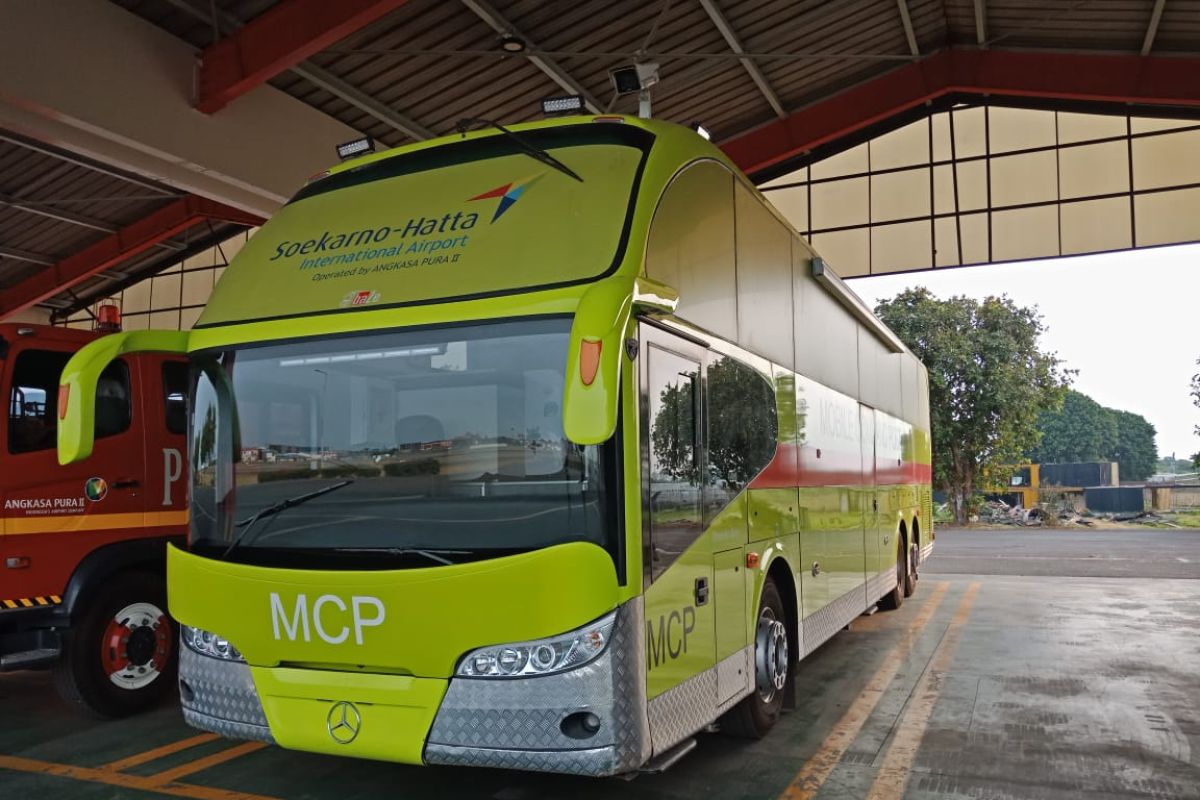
[998,512]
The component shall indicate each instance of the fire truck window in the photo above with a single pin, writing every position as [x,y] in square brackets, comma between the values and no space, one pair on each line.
[32,417]
[175,384]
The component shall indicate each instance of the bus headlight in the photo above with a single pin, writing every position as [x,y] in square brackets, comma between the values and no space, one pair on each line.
[209,644]
[541,656]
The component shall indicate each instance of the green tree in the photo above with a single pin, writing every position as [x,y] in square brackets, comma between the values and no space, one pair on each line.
[1136,451]
[1196,402]
[988,382]
[1080,430]
[1084,430]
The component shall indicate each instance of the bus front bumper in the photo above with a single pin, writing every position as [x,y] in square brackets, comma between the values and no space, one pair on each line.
[513,723]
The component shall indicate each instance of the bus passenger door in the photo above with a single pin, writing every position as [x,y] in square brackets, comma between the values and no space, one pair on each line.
[677,557]
[870,497]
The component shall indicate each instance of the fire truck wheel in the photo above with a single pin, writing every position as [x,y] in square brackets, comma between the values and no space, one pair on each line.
[754,716]
[120,657]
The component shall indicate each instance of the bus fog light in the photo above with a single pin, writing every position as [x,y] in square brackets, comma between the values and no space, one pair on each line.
[209,644]
[540,657]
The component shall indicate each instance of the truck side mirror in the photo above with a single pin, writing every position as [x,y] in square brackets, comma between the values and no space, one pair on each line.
[77,386]
[591,394]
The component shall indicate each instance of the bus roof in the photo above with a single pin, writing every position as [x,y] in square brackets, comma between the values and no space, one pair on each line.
[460,217]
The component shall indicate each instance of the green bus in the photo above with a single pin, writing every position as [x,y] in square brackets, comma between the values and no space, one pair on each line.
[541,448]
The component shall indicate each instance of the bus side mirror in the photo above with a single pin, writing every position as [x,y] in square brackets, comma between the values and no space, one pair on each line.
[592,390]
[77,386]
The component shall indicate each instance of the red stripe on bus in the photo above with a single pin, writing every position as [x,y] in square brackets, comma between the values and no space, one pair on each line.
[802,467]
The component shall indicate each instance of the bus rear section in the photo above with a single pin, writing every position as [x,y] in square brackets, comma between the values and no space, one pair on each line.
[477,480]
[83,547]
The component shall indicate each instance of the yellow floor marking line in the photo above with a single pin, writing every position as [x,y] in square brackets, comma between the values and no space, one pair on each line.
[122,780]
[160,752]
[897,764]
[167,776]
[812,775]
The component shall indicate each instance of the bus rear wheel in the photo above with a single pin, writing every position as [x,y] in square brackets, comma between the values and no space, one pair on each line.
[120,657]
[895,598]
[754,716]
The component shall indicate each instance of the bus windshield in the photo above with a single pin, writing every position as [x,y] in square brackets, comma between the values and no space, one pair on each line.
[445,441]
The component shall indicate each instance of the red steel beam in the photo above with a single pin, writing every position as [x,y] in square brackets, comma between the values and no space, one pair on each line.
[276,40]
[1138,80]
[119,246]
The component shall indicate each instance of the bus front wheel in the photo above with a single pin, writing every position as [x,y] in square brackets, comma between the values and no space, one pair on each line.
[754,716]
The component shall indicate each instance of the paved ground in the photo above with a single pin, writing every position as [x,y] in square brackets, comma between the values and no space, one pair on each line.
[1021,669]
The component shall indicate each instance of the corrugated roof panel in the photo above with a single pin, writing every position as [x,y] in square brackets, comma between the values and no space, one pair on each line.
[1179,28]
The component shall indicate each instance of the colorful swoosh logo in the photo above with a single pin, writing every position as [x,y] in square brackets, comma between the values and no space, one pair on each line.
[509,193]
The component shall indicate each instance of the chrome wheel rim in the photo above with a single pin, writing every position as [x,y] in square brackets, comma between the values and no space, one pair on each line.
[136,646]
[770,655]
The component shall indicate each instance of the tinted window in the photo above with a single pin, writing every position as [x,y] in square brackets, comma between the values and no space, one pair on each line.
[743,428]
[440,439]
[175,385]
[32,417]
[674,492]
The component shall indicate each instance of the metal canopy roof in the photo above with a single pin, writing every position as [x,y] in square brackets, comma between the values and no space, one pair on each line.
[733,65]
[56,206]
[746,69]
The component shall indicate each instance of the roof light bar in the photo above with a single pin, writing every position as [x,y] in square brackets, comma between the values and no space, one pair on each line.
[833,284]
[566,104]
[701,130]
[355,147]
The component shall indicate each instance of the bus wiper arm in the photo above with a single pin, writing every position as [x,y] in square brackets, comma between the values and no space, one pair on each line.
[433,555]
[247,524]
[538,153]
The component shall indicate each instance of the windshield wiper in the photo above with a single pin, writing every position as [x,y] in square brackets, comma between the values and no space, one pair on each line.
[538,153]
[247,524]
[433,555]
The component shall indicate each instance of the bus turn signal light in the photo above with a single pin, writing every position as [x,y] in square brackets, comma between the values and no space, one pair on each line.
[751,560]
[589,360]
[64,394]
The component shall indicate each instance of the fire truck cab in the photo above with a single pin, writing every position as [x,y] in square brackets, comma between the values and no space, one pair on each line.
[82,547]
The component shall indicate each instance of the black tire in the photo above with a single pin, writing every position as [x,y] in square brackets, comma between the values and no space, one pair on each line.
[754,717]
[895,598]
[114,667]
[910,578]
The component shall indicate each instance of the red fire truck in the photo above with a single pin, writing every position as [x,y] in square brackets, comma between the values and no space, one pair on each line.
[82,547]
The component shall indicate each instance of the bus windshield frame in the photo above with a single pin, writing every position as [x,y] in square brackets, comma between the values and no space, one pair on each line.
[438,445]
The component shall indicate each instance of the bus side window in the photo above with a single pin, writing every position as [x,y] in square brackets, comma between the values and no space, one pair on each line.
[743,429]
[674,457]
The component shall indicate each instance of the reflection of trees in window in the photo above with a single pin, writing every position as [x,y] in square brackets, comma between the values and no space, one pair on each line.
[742,424]
[206,442]
[673,430]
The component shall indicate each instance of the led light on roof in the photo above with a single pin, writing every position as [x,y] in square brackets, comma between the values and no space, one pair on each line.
[355,147]
[701,130]
[567,104]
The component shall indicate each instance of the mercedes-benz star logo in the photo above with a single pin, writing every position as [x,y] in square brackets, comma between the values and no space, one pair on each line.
[343,722]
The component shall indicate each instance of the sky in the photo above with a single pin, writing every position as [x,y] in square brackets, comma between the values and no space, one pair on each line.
[1127,321]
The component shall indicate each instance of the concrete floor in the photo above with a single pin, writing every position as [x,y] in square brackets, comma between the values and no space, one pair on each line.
[1030,664]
